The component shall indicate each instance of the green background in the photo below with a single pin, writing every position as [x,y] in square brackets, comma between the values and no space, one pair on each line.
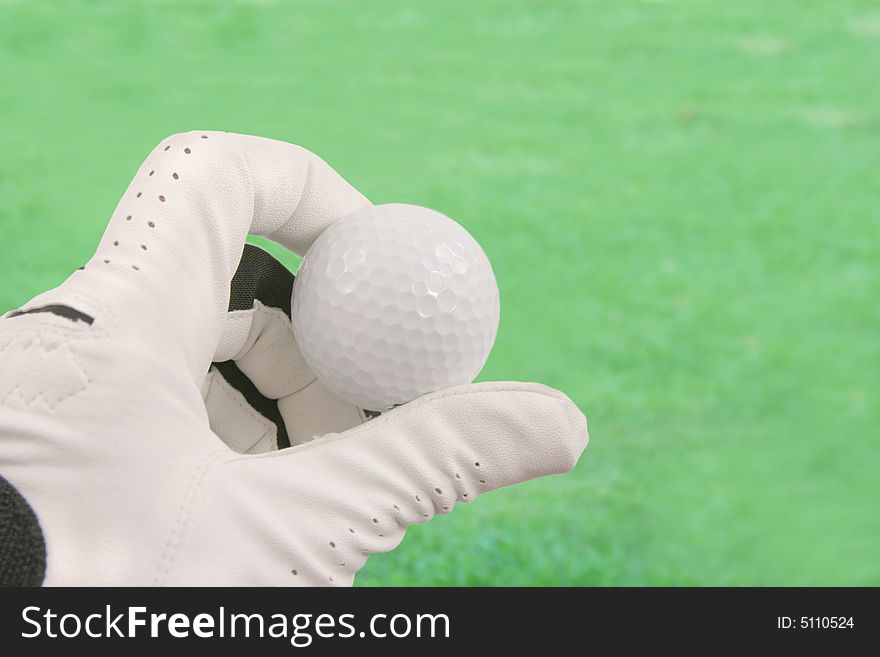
[679,199]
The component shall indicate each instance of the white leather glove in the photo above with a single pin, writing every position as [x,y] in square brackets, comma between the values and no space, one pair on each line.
[105,427]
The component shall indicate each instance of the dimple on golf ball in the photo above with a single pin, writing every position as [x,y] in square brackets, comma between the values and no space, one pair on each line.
[393,302]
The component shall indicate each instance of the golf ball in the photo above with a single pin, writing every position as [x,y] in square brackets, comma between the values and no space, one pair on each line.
[392,302]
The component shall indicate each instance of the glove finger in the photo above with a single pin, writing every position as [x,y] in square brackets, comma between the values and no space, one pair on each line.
[162,271]
[344,496]
[260,395]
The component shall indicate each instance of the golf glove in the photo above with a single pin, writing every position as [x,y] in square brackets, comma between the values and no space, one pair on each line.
[158,425]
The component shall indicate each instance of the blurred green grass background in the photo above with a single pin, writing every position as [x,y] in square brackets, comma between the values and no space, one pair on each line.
[679,199]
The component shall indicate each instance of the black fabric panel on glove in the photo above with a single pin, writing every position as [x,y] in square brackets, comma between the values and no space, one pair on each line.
[259,277]
[22,548]
[263,278]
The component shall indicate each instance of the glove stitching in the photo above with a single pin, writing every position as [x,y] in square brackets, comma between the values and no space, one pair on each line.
[249,410]
[184,514]
[39,327]
[234,317]
[48,349]
[269,314]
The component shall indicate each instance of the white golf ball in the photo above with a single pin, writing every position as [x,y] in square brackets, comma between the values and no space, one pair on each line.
[393,302]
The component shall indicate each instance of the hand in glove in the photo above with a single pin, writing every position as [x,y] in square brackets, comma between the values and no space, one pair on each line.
[122,463]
